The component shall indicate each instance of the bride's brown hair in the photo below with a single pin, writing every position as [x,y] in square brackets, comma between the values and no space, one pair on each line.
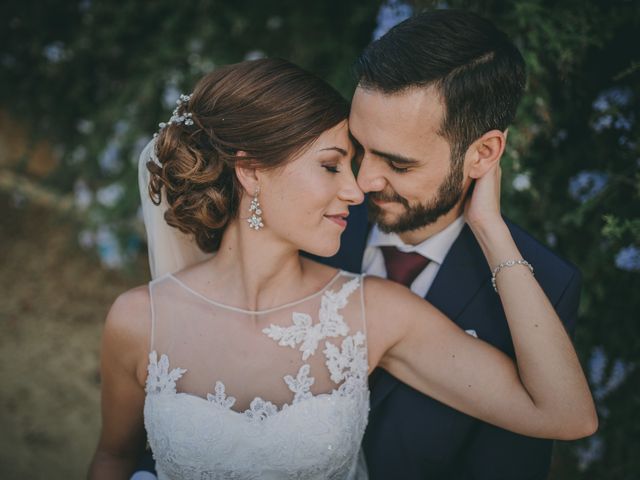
[269,108]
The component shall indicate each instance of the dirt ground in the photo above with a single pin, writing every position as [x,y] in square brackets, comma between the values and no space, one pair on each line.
[53,300]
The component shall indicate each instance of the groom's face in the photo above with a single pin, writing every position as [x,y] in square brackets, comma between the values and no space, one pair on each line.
[407,166]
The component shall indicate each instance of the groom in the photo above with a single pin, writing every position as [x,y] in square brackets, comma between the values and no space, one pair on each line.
[435,97]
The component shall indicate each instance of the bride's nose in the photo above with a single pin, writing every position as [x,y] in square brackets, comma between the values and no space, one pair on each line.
[350,191]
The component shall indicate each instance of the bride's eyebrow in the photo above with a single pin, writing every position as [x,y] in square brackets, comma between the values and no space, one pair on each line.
[341,151]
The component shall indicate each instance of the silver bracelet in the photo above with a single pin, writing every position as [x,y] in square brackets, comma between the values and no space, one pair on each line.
[508,263]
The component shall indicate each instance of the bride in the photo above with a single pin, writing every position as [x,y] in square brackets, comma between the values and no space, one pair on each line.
[253,362]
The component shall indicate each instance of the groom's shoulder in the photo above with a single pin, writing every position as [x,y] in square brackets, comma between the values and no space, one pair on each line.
[540,255]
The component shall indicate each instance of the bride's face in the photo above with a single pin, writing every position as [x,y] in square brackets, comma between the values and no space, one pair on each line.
[305,202]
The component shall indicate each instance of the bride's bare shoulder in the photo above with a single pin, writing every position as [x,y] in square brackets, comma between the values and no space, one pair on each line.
[378,291]
[128,323]
[135,302]
[385,299]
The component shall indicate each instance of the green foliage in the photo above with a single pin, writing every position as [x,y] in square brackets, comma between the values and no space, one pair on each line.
[98,77]
[617,228]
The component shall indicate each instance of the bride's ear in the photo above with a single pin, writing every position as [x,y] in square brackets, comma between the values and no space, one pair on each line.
[247,176]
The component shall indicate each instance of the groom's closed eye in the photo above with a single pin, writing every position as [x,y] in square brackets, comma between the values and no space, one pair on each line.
[398,169]
[397,160]
[398,163]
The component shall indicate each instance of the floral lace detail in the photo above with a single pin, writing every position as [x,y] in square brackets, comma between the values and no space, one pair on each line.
[301,384]
[300,332]
[259,410]
[348,361]
[220,399]
[314,437]
[159,379]
[336,301]
[331,323]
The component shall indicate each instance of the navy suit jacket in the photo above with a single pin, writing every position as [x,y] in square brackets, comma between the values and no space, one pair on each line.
[412,436]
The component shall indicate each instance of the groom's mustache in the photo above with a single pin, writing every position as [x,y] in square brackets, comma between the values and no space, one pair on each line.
[388,197]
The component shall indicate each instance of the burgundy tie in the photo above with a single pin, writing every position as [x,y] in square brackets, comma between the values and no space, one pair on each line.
[403,267]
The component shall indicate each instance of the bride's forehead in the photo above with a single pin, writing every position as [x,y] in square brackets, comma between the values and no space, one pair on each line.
[334,142]
[336,137]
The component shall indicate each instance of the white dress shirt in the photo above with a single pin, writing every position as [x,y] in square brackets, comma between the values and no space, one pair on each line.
[435,248]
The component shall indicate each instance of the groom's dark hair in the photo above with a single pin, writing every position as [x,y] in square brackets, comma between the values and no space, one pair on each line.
[477,71]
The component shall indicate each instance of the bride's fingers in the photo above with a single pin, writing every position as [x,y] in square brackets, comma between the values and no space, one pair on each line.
[484,204]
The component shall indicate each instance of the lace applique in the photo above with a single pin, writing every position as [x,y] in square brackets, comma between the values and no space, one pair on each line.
[301,384]
[300,332]
[159,379]
[331,322]
[306,439]
[259,410]
[339,300]
[220,399]
[348,361]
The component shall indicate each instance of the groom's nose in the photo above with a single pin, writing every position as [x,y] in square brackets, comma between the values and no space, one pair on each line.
[370,174]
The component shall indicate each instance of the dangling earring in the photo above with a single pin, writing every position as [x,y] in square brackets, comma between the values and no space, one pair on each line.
[255,220]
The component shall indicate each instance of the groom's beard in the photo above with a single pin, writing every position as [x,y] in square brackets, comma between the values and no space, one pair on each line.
[416,216]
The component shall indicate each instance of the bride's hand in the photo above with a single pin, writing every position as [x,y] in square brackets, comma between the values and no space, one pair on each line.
[483,208]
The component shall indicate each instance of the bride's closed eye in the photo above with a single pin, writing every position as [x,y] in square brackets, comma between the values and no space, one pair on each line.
[331,168]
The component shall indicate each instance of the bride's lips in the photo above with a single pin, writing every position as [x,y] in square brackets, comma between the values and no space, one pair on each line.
[339,219]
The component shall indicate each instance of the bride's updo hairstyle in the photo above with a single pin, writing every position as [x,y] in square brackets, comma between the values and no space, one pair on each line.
[270,109]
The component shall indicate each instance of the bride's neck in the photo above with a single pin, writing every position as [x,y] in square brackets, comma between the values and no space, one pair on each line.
[265,269]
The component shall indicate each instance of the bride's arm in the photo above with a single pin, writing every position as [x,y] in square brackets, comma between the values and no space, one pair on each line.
[124,342]
[543,394]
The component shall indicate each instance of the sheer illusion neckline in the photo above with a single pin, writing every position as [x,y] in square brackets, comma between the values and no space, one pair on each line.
[254,312]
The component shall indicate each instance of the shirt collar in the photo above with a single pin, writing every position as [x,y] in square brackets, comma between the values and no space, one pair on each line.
[435,248]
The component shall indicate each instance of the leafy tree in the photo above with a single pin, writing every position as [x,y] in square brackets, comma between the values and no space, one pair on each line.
[97,78]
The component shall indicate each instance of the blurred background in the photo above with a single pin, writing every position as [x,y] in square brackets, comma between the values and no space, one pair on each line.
[83,85]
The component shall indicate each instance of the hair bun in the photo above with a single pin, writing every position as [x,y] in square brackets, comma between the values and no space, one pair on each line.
[269,108]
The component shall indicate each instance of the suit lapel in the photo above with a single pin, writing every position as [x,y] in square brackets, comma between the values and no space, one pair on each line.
[459,278]
[461,275]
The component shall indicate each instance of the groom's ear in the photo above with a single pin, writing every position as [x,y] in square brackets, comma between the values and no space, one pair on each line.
[247,176]
[485,152]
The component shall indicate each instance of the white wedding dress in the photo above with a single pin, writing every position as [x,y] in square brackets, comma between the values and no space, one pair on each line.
[272,394]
